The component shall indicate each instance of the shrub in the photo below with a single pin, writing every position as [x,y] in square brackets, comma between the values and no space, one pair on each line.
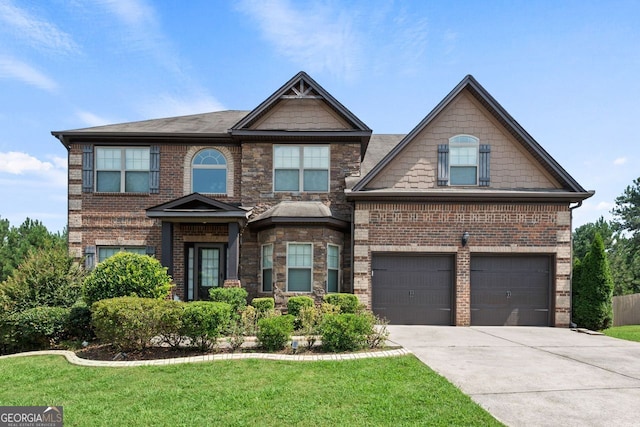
[39,327]
[309,319]
[127,274]
[204,321]
[345,332]
[275,332]
[263,305]
[235,297]
[170,322]
[348,303]
[379,333]
[46,277]
[249,318]
[79,323]
[294,304]
[129,323]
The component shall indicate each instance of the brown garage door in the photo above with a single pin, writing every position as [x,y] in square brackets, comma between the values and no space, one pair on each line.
[412,289]
[510,290]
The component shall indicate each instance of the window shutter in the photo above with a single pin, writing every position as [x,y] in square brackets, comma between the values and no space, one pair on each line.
[89,257]
[154,170]
[443,164]
[87,169]
[150,250]
[485,173]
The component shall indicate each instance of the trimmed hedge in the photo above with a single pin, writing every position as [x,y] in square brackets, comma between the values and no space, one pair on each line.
[204,321]
[127,274]
[263,305]
[235,297]
[37,328]
[275,332]
[129,323]
[346,331]
[348,303]
[295,304]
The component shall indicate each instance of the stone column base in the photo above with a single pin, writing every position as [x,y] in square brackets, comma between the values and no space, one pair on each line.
[232,283]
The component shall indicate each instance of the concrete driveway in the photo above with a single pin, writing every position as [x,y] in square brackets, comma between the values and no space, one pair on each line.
[534,376]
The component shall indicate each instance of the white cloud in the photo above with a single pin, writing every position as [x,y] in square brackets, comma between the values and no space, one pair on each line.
[620,161]
[15,69]
[166,105]
[319,37]
[91,119]
[26,165]
[36,32]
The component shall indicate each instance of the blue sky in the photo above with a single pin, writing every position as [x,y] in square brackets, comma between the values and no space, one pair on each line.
[567,71]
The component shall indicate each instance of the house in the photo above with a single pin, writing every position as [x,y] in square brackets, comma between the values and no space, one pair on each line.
[465,220]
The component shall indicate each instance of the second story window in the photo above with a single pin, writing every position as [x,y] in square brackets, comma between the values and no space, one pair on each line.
[209,172]
[122,170]
[463,152]
[301,168]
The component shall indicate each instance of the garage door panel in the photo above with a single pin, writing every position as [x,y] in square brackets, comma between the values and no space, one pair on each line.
[412,289]
[510,290]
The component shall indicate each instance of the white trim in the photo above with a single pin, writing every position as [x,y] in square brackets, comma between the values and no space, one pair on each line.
[310,266]
[475,143]
[123,168]
[188,161]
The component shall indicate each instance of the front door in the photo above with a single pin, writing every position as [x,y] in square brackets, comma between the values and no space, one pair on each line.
[205,270]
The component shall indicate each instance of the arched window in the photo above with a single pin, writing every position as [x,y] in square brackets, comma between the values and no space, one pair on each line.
[209,172]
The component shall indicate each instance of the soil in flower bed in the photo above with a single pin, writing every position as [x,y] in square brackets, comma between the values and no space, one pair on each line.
[108,352]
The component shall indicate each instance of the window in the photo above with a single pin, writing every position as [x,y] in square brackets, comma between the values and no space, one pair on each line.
[333,268]
[105,252]
[301,168]
[209,172]
[122,170]
[299,262]
[463,163]
[267,268]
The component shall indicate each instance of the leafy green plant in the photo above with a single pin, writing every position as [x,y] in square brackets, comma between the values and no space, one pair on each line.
[294,304]
[345,332]
[46,277]
[127,274]
[204,321]
[129,323]
[38,328]
[348,303]
[235,297]
[275,332]
[309,319]
[79,322]
[263,305]
[170,322]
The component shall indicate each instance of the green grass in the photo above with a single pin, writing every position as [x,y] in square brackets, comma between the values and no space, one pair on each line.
[629,332]
[389,391]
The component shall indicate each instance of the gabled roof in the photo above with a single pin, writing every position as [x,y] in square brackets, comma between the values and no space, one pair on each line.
[301,86]
[206,125]
[197,208]
[470,84]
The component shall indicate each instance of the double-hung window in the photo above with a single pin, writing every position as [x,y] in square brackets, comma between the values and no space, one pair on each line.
[463,167]
[301,168]
[105,252]
[299,267]
[333,268]
[267,267]
[122,170]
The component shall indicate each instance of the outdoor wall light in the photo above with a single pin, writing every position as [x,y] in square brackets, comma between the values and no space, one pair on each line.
[465,238]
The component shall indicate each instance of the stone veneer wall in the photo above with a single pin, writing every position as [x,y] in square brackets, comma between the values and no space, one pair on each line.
[438,227]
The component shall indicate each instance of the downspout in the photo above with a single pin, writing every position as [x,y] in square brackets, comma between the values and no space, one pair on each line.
[571,208]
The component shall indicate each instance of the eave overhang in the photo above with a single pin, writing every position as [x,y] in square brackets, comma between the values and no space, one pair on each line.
[328,222]
[488,196]
[131,138]
[196,208]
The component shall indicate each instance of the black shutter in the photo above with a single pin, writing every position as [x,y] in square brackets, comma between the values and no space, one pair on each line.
[150,250]
[485,173]
[443,164]
[154,170]
[87,168]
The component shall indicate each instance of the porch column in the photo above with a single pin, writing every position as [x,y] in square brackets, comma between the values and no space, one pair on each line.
[167,246]
[233,256]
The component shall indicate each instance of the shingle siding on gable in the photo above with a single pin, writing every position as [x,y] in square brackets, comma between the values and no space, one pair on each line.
[302,114]
[416,167]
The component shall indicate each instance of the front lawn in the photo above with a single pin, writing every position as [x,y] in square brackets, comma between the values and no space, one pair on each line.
[389,391]
[629,332]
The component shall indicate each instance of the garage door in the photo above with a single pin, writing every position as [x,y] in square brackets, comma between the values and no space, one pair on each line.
[510,290]
[412,289]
